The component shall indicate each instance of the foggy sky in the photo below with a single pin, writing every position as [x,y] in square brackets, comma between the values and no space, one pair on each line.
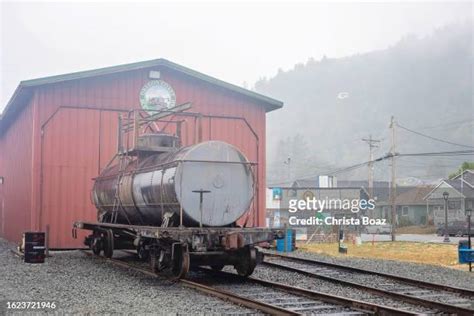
[235,42]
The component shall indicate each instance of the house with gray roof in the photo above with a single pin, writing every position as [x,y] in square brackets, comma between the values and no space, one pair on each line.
[460,198]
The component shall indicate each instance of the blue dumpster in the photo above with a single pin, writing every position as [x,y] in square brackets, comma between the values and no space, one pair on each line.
[289,242]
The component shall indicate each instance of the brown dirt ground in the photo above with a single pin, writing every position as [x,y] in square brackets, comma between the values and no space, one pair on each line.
[416,230]
[425,253]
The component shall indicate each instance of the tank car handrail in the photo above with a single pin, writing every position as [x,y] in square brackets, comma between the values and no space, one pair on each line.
[215,161]
[148,204]
[192,114]
[177,161]
[159,113]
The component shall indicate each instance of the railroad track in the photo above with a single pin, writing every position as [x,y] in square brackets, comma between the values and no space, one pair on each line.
[447,299]
[269,297]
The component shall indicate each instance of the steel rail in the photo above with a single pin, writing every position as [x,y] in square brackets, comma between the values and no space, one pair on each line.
[261,306]
[326,297]
[240,300]
[247,302]
[415,282]
[444,307]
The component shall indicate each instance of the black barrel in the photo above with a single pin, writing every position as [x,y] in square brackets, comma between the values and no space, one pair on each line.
[34,246]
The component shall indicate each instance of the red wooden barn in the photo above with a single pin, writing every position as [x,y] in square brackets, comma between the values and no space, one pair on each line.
[56,133]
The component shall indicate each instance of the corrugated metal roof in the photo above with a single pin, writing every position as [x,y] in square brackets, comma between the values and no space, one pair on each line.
[24,89]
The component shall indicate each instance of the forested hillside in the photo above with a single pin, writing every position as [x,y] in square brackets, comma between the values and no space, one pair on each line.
[330,104]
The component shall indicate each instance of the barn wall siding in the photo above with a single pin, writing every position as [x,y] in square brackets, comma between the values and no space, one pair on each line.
[15,167]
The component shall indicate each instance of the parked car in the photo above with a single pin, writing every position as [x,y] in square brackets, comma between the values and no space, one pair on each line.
[456,228]
[378,229]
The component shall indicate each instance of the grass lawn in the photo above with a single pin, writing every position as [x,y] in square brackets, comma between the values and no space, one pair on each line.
[426,253]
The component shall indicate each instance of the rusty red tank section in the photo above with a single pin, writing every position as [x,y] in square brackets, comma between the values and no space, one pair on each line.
[66,133]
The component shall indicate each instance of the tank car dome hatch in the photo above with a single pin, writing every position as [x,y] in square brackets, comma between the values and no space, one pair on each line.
[156,142]
[221,169]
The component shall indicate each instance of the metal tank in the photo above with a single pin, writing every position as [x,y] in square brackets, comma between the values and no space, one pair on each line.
[145,191]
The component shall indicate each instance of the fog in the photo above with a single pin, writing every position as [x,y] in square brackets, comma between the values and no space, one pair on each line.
[342,68]
[236,42]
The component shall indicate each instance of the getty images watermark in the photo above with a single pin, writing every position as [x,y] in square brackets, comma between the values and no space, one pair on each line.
[321,205]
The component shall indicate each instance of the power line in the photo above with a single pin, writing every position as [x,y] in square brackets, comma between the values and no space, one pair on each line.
[433,138]
[453,123]
[383,158]
[330,172]
[439,153]
[425,165]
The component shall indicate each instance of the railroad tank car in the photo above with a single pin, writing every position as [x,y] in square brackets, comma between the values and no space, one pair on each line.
[177,207]
[170,181]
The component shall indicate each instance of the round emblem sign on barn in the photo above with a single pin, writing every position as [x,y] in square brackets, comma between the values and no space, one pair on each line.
[157,95]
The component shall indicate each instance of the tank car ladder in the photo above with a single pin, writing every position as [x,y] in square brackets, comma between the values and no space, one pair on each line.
[122,157]
[117,203]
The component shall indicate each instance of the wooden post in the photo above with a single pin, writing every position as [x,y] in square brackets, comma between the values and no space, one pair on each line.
[47,241]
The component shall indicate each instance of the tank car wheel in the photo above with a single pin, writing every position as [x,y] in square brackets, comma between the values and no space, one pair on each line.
[109,244]
[248,262]
[217,267]
[143,254]
[96,246]
[181,262]
[157,257]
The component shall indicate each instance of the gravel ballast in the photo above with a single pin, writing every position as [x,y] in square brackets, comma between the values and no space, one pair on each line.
[88,285]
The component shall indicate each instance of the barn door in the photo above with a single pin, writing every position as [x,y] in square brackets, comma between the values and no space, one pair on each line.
[75,145]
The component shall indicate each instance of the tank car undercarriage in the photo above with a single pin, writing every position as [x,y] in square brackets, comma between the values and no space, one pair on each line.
[173,251]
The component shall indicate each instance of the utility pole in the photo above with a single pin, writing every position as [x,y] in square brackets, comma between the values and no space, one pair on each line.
[393,186]
[288,163]
[372,144]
